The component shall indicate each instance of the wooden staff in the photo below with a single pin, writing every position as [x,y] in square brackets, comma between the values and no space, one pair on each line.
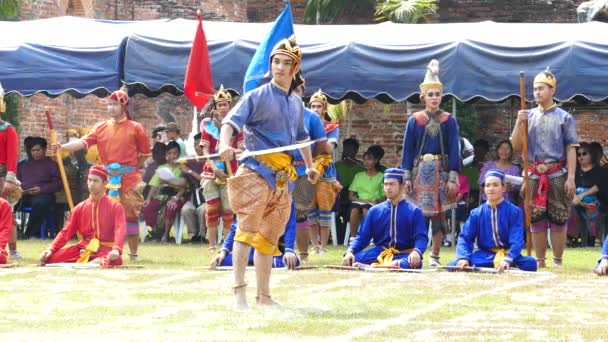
[522,96]
[58,155]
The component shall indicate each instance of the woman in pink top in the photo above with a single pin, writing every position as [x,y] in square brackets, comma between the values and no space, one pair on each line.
[503,161]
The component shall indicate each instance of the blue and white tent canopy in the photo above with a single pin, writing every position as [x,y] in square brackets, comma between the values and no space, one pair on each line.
[385,61]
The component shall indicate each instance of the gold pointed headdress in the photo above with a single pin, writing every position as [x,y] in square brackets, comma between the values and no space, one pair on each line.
[319,97]
[222,95]
[290,48]
[546,77]
[431,79]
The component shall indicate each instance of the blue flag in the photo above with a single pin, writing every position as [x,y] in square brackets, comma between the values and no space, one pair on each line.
[260,63]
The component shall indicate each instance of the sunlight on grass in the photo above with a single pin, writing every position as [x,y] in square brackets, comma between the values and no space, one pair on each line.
[174,297]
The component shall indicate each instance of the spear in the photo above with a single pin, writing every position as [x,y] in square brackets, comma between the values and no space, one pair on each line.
[64,179]
[522,96]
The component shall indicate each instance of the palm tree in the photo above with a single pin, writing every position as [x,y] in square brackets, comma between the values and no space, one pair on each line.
[399,11]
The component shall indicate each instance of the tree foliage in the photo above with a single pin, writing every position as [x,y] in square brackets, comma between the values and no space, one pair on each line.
[323,11]
[12,110]
[9,9]
[406,11]
[399,11]
[466,115]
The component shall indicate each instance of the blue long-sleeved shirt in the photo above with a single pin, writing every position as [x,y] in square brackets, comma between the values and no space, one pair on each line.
[605,249]
[500,227]
[414,131]
[269,117]
[400,226]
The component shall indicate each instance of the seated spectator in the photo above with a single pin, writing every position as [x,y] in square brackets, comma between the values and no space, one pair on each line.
[398,229]
[602,264]
[287,241]
[99,221]
[40,179]
[472,171]
[166,196]
[193,211]
[503,161]
[497,227]
[159,150]
[173,135]
[347,168]
[159,134]
[365,191]
[589,175]
[378,153]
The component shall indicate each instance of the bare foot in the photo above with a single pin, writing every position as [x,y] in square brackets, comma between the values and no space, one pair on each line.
[541,264]
[557,263]
[304,258]
[240,296]
[266,300]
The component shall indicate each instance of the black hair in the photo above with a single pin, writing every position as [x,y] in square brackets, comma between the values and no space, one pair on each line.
[377,151]
[30,142]
[157,130]
[592,150]
[372,155]
[352,142]
[158,153]
[173,144]
[197,136]
[502,142]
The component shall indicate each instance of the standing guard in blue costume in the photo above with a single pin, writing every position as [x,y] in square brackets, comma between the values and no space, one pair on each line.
[431,158]
[397,228]
[497,227]
[287,258]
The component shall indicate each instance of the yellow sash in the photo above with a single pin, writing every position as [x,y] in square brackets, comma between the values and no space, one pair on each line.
[386,257]
[280,163]
[322,161]
[92,247]
[501,253]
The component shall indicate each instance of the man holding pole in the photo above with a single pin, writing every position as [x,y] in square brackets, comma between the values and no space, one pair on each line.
[216,172]
[271,117]
[123,146]
[551,140]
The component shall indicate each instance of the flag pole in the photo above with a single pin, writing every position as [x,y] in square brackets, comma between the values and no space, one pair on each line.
[522,96]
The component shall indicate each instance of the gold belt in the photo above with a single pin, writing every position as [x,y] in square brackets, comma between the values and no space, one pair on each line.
[430,157]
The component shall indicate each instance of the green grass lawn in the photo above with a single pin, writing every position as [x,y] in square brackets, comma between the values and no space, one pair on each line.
[172,298]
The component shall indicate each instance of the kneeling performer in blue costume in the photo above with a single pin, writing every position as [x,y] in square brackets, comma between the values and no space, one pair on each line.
[287,258]
[498,227]
[397,227]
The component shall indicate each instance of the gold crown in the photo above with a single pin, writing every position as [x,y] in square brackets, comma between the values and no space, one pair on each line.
[222,95]
[319,97]
[546,77]
[290,48]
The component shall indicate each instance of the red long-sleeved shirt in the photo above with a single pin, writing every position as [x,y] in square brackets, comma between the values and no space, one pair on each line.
[104,219]
[9,147]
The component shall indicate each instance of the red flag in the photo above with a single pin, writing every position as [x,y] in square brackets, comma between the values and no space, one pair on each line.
[198,83]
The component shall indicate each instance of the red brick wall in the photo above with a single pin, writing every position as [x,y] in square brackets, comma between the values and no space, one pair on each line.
[544,11]
[371,123]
